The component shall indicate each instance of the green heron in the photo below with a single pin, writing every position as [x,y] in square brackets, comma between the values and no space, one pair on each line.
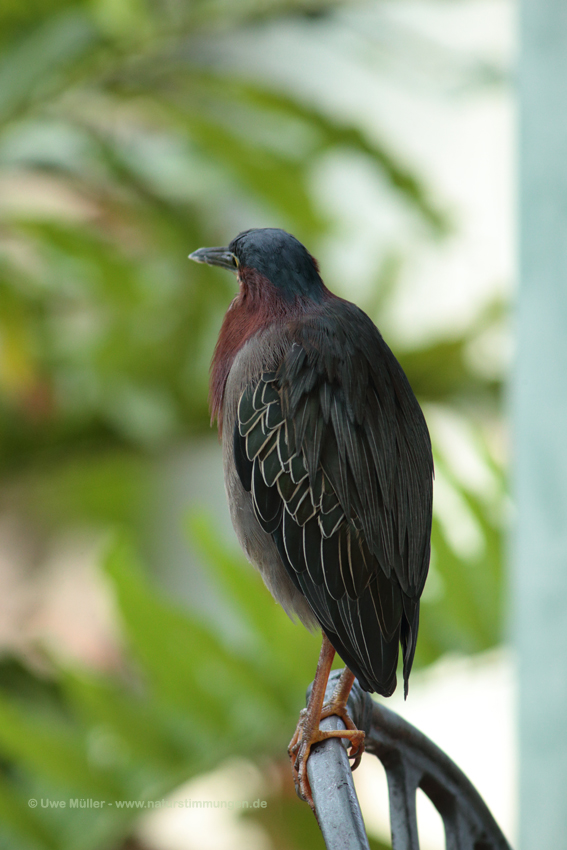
[328,470]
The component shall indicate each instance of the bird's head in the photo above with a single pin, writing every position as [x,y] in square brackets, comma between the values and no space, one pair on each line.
[265,256]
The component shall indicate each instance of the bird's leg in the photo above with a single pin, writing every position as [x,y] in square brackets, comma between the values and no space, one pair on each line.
[308,732]
[337,706]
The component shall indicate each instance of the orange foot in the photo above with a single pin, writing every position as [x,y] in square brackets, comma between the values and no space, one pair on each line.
[308,733]
[306,736]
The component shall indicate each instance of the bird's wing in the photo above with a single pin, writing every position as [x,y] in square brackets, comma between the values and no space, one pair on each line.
[335,453]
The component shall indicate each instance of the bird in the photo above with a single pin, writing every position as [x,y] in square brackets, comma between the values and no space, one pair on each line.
[328,471]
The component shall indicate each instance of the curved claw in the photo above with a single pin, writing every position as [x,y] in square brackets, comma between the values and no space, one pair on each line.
[332,709]
[305,738]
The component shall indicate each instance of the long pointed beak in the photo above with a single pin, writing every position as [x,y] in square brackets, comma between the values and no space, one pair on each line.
[216,257]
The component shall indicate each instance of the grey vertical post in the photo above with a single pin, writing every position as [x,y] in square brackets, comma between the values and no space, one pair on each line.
[540,428]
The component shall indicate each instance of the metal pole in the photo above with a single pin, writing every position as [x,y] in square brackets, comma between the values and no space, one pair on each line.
[330,777]
[411,761]
[540,426]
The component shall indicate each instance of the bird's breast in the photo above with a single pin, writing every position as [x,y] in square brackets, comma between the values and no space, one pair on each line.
[262,353]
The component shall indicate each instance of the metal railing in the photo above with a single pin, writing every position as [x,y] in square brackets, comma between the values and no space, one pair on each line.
[411,761]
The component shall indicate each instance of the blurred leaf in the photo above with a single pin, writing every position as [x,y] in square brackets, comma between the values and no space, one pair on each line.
[278,644]
[466,613]
[38,58]
[50,748]
[189,666]
[289,823]
[106,705]
[22,824]
[335,133]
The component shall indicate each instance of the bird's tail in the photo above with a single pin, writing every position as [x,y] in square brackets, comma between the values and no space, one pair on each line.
[408,636]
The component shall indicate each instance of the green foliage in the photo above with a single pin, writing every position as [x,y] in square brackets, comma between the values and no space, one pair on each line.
[120,153]
[193,695]
[191,699]
[464,613]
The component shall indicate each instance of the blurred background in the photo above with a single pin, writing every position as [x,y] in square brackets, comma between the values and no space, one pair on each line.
[141,659]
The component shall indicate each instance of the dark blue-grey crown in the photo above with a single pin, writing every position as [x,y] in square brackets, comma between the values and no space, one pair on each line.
[281,258]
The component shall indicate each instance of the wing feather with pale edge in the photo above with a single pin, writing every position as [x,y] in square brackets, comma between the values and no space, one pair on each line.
[335,452]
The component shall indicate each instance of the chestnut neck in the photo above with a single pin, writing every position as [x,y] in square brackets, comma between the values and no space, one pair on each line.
[258,305]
